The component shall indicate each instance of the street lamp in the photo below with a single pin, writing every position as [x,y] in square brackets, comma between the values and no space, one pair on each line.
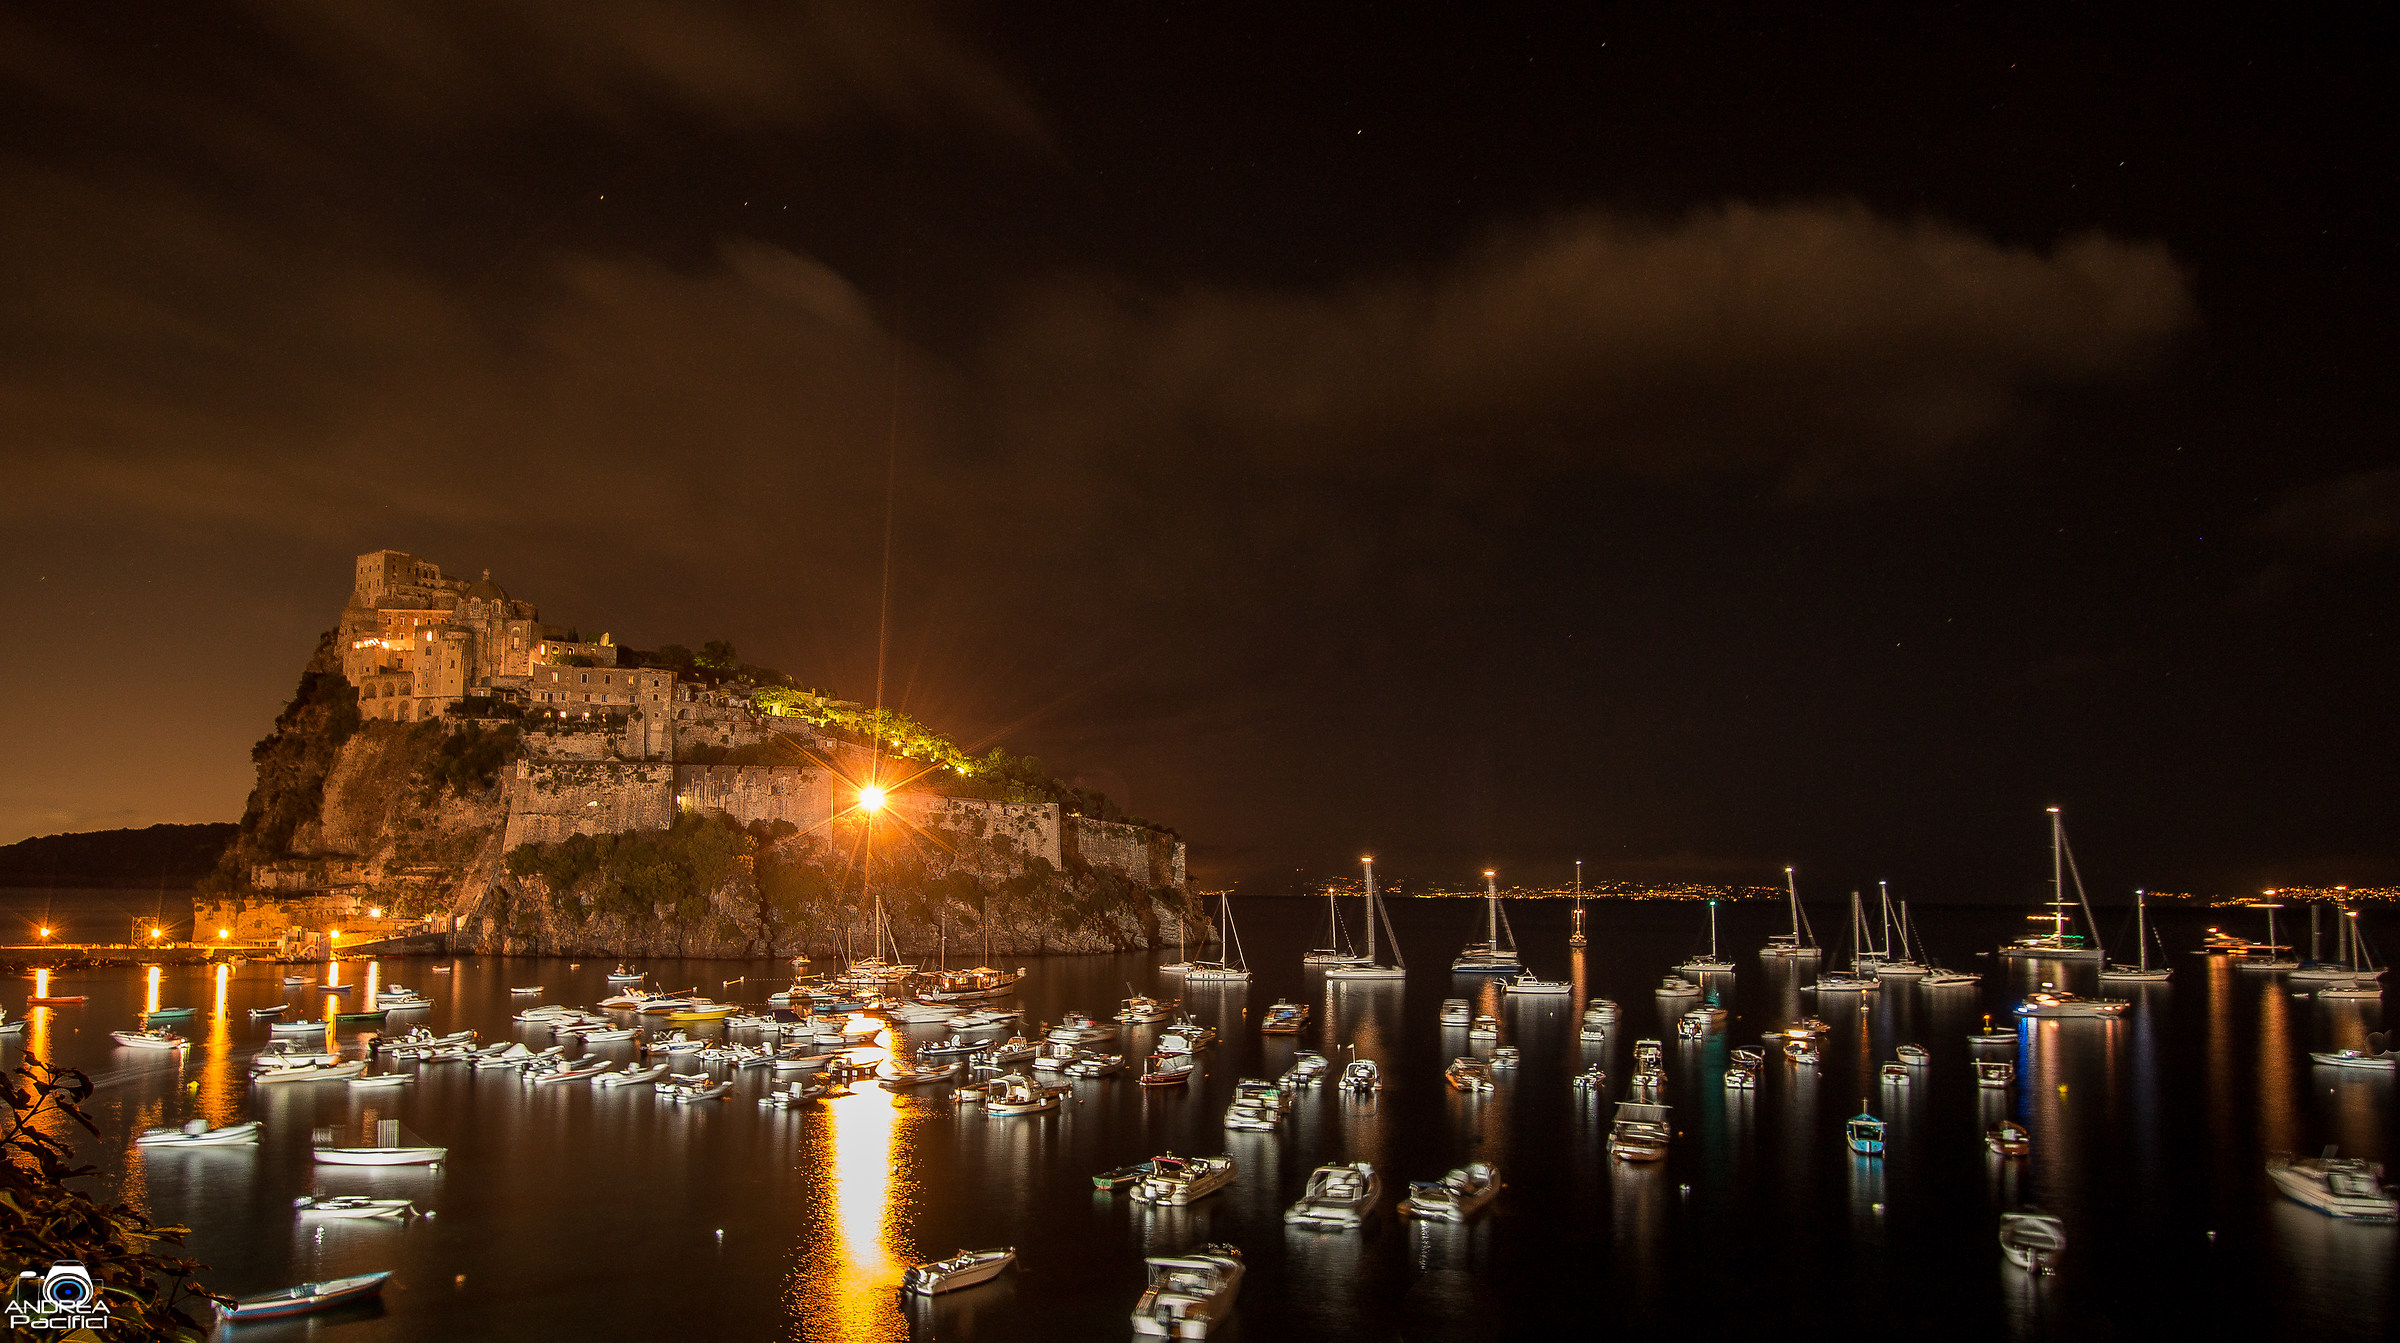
[223,933]
[870,798]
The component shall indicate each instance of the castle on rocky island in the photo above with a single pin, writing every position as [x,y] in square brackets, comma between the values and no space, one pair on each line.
[600,744]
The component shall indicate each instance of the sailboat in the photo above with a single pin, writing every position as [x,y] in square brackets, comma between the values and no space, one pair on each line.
[1794,945]
[2139,972]
[1575,934]
[1861,978]
[966,986]
[2058,944]
[1712,963]
[1337,949]
[1368,968]
[2268,956]
[2360,980]
[877,968]
[1182,962]
[1231,969]
[1896,958]
[1497,953]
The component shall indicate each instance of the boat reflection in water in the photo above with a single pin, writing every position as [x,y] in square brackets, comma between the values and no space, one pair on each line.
[845,1285]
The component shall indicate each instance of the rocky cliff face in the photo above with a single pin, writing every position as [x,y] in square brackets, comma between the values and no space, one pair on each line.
[412,817]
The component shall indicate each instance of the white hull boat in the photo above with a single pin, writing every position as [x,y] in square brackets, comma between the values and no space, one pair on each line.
[1455,1197]
[2033,1241]
[197,1133]
[1189,1294]
[2336,1186]
[1339,1197]
[967,1268]
[353,1207]
[310,1072]
[379,1156]
[631,1076]
[1178,1181]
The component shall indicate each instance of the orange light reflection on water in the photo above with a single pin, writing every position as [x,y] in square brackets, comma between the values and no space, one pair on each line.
[844,1288]
[150,1001]
[219,1100]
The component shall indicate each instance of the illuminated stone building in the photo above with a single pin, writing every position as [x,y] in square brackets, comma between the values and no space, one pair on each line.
[416,640]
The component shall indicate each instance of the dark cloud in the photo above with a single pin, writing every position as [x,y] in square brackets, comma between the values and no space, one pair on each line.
[2348,515]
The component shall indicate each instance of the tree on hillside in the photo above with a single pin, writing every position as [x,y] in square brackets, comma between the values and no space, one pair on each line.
[718,655]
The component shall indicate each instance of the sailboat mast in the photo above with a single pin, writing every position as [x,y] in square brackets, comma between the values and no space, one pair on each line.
[1712,927]
[1575,937]
[1885,888]
[2141,929]
[1369,865]
[2312,934]
[1491,913]
[1792,889]
[2058,879]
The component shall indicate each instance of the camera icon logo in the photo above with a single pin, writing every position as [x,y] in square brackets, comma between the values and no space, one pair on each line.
[68,1287]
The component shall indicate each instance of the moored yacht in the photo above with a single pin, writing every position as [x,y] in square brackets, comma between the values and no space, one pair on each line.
[1233,969]
[1796,944]
[2050,1002]
[2335,1186]
[1455,1197]
[967,1268]
[1189,1294]
[1710,963]
[2058,944]
[1175,1181]
[1338,1197]
[1496,954]
[1641,1132]
[1367,967]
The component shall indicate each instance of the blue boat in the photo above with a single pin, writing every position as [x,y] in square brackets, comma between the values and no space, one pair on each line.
[1866,1134]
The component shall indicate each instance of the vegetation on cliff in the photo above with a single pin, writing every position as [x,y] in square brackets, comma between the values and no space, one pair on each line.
[293,760]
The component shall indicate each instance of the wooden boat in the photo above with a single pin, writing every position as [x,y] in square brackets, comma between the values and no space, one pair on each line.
[308,1297]
[59,1000]
[198,1133]
[1995,1076]
[2008,1138]
[967,1268]
[1169,1070]
[1864,1132]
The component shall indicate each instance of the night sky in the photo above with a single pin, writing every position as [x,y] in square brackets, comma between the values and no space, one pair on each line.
[1691,440]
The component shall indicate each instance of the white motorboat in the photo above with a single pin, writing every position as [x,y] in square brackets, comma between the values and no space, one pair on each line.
[198,1133]
[1016,1094]
[1591,1081]
[1189,1294]
[1496,954]
[957,1046]
[1676,986]
[309,1072]
[2335,1186]
[966,986]
[984,1018]
[2140,972]
[1338,1197]
[294,1029]
[1455,1197]
[691,1088]
[577,1071]
[1740,1078]
[526,990]
[2359,1059]
[1915,1056]
[1140,1010]
[516,1055]
[2032,1240]
[1078,1028]
[967,1268]
[1796,944]
[388,1150]
[154,1040]
[909,1014]
[380,1081]
[2059,944]
[1367,968]
[1894,1074]
[1995,1076]
[1090,1065]
[2051,1003]
[1803,1051]
[1283,1018]
[1186,1037]
[1938,978]
[1600,1009]
[295,981]
[1641,1132]
[1232,969]
[1505,1056]
[1177,1181]
[622,975]
[2355,991]
[1484,1028]
[894,1077]
[262,1013]
[352,1206]
[1540,988]
[631,1076]
[603,1035]
[1456,1012]
[1014,1049]
[397,998]
[1362,1078]
[1166,1070]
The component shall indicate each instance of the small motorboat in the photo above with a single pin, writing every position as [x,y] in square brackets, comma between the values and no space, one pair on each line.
[1339,1197]
[158,1040]
[1089,1065]
[1995,1076]
[1484,1028]
[1077,1028]
[2050,1004]
[309,1072]
[387,1150]
[1915,1056]
[1189,1294]
[286,1056]
[2008,1138]
[1017,1094]
[957,1046]
[1186,1037]
[283,1029]
[1140,1010]
[2336,1186]
[308,1298]
[262,1013]
[441,969]
[1284,1018]
[1894,1074]
[1468,1074]
[2353,1058]
[514,1054]
[1455,1197]
[1591,1081]
[1506,1056]
[1803,1052]
[1177,1181]
[358,1018]
[1168,1070]
[631,1076]
[1455,1012]
[1123,1175]
[1676,986]
[2032,1240]
[353,1206]
[580,1069]
[295,981]
[198,1133]
[691,1088]
[58,1000]
[525,990]
[1362,1078]
[622,975]
[1641,1132]
[894,1077]
[171,1014]
[1741,1077]
[375,1081]
[967,1268]
[605,1035]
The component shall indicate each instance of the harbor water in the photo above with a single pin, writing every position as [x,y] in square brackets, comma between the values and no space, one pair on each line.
[571,1212]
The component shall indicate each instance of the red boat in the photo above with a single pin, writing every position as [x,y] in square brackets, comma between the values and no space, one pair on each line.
[59,1000]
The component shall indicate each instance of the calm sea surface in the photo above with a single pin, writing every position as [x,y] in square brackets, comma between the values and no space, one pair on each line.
[567,1212]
